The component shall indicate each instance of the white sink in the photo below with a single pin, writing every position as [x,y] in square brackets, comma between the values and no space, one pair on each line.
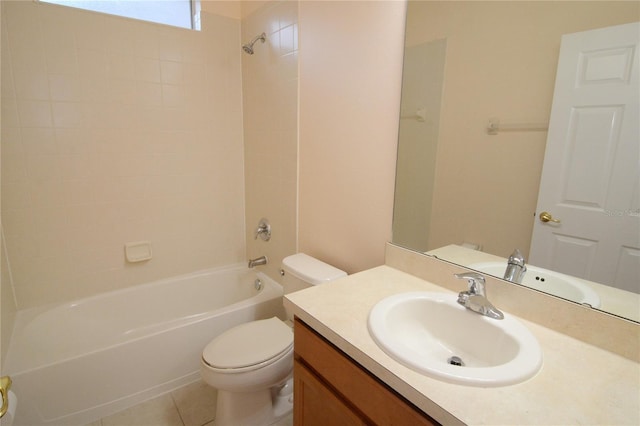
[425,330]
[560,285]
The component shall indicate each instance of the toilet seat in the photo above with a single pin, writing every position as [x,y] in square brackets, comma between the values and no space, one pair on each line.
[249,346]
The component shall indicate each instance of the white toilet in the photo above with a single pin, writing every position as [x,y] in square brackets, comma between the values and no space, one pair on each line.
[251,364]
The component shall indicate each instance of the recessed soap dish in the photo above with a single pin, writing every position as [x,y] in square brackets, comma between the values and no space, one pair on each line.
[138,251]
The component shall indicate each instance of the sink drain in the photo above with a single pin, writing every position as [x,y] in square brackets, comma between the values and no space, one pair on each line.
[456,360]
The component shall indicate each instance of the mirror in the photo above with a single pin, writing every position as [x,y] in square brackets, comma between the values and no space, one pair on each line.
[466,195]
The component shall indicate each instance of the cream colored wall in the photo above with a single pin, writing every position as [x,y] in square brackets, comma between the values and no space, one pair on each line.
[501,62]
[7,301]
[270,105]
[350,73]
[115,130]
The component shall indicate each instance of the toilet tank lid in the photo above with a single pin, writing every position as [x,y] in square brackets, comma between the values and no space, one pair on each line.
[310,269]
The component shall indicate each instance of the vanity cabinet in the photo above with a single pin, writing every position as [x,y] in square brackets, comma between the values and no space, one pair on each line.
[331,389]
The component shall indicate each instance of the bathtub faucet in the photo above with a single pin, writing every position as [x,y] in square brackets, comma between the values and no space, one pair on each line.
[262,260]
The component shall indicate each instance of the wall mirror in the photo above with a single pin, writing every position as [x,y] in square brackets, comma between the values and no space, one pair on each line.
[477,96]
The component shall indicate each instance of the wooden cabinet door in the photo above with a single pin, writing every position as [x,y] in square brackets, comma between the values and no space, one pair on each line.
[316,405]
[332,389]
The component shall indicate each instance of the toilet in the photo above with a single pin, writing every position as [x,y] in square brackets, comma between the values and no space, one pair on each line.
[251,364]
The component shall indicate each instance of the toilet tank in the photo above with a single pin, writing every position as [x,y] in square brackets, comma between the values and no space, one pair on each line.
[303,271]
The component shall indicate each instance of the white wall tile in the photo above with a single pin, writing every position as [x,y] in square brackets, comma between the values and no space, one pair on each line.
[62,60]
[31,84]
[91,31]
[172,96]
[121,66]
[109,136]
[171,72]
[64,87]
[42,167]
[147,69]
[146,43]
[93,64]
[34,113]
[9,110]
[16,195]
[44,193]
[38,141]
[67,114]
[71,140]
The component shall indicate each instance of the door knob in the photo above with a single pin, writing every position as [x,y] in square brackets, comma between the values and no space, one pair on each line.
[5,385]
[547,217]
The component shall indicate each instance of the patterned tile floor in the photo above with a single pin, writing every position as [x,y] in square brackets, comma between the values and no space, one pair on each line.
[192,405]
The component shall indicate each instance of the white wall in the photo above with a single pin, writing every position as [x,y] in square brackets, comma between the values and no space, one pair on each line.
[350,78]
[116,130]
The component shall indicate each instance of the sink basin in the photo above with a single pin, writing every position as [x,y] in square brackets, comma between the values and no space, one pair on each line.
[431,333]
[560,285]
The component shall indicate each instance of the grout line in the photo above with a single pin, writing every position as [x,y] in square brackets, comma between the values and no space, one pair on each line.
[175,405]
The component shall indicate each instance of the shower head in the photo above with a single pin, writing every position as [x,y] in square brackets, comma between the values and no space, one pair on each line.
[249,46]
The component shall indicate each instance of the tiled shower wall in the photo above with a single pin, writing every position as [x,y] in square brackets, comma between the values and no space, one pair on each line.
[115,131]
[270,105]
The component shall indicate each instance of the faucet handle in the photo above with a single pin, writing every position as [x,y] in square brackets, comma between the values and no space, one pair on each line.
[263,230]
[516,258]
[475,280]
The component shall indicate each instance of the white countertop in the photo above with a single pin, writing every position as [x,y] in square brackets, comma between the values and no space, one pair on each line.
[578,383]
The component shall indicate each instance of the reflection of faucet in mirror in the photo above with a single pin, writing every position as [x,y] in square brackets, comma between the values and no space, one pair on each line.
[515,267]
[475,299]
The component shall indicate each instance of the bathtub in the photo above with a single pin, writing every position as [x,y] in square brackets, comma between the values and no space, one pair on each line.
[74,363]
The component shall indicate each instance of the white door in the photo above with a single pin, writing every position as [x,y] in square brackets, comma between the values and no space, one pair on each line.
[591,174]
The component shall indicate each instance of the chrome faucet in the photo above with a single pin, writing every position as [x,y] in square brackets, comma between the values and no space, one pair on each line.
[262,260]
[515,267]
[475,299]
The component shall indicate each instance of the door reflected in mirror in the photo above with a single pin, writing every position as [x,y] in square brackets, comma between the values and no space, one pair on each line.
[474,151]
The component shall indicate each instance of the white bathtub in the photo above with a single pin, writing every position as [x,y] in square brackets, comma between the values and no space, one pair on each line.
[75,363]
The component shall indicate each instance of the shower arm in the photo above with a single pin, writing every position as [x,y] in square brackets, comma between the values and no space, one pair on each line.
[249,46]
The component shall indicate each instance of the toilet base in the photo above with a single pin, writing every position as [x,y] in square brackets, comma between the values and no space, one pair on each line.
[282,400]
[260,408]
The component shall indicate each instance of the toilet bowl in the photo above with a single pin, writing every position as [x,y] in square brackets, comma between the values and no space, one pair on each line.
[244,364]
[251,364]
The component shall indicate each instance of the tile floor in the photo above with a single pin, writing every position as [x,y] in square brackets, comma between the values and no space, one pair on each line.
[192,405]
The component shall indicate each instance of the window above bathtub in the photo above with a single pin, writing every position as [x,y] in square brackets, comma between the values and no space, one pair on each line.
[178,13]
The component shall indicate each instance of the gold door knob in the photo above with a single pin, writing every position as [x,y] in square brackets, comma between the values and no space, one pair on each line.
[546,217]
[5,385]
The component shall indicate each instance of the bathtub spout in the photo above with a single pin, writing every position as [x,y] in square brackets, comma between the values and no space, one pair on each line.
[262,260]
